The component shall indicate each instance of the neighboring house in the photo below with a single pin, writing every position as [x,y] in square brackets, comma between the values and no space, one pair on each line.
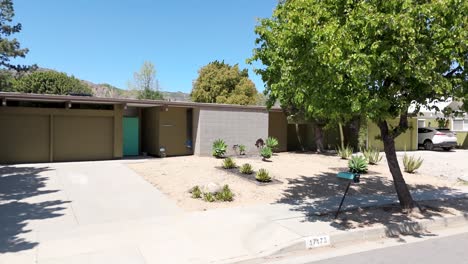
[428,117]
[48,128]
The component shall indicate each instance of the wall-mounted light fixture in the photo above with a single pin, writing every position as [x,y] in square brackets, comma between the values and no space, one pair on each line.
[125,107]
[68,105]
[3,101]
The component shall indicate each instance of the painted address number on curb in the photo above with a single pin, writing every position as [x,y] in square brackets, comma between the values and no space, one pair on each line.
[317,241]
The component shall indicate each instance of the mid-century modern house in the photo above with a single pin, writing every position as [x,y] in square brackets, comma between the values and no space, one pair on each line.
[50,128]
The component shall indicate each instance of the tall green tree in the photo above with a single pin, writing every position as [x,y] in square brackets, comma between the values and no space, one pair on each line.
[145,82]
[9,48]
[219,82]
[374,58]
[50,82]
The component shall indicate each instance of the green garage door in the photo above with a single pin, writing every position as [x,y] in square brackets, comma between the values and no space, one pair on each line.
[130,136]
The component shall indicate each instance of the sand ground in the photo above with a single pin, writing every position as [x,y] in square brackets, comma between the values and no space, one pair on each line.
[303,175]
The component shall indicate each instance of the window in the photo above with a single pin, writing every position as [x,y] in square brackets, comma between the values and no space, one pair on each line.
[421,123]
[460,125]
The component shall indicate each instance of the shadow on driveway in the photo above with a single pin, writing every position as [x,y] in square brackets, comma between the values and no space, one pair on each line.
[16,185]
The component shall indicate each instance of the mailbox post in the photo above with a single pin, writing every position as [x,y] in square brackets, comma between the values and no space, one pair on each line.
[350,178]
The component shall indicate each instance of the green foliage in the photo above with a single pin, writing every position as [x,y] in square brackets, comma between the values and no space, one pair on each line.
[353,60]
[242,149]
[372,155]
[225,195]
[6,81]
[219,82]
[219,148]
[411,164]
[272,143]
[49,82]
[246,169]
[208,197]
[266,152]
[357,164]
[263,176]
[10,48]
[336,59]
[196,192]
[145,82]
[345,152]
[228,163]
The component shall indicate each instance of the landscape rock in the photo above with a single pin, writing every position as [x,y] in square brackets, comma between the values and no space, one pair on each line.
[211,188]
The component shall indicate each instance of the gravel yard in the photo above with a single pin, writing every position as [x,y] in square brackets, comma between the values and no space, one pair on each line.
[447,164]
[304,176]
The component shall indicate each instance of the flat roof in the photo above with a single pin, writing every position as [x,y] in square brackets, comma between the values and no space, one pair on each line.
[125,101]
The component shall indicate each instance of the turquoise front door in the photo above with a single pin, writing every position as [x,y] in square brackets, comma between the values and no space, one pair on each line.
[130,136]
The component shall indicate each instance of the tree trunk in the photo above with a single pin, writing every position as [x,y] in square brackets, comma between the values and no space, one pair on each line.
[319,138]
[404,196]
[299,138]
[340,126]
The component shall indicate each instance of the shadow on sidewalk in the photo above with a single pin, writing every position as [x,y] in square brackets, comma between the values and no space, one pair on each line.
[372,201]
[17,186]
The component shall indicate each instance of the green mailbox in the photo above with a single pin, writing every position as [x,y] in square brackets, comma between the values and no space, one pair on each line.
[355,177]
[350,177]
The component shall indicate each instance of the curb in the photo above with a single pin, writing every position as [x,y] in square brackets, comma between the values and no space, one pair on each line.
[366,234]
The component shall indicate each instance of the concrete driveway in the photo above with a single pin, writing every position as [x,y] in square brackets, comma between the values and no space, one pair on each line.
[42,203]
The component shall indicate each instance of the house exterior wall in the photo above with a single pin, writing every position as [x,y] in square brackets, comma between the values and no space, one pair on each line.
[150,130]
[52,134]
[173,131]
[406,141]
[278,128]
[234,126]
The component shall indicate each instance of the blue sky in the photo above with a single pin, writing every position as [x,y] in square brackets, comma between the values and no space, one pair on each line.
[106,41]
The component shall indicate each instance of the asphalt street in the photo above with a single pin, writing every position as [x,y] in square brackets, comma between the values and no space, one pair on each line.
[446,250]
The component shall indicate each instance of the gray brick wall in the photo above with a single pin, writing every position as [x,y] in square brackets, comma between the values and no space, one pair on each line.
[234,126]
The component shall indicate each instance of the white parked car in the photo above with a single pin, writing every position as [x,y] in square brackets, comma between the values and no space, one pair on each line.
[430,138]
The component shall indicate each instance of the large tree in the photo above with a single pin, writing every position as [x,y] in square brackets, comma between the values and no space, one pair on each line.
[50,82]
[219,82]
[374,58]
[9,48]
[145,82]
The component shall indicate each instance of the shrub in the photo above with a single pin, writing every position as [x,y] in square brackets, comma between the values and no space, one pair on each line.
[219,148]
[266,152]
[225,195]
[263,176]
[208,197]
[259,143]
[228,163]
[411,163]
[242,149]
[345,152]
[357,164]
[246,169]
[271,142]
[372,155]
[196,192]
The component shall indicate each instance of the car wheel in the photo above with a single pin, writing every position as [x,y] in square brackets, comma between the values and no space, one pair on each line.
[447,149]
[428,145]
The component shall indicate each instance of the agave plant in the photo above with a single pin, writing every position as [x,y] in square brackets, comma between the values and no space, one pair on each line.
[357,164]
[266,153]
[263,176]
[272,143]
[411,163]
[372,155]
[219,148]
[345,152]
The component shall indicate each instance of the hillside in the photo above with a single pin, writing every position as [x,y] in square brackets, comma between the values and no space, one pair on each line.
[109,91]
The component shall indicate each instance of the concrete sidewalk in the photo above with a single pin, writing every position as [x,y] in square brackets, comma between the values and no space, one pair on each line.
[215,236]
